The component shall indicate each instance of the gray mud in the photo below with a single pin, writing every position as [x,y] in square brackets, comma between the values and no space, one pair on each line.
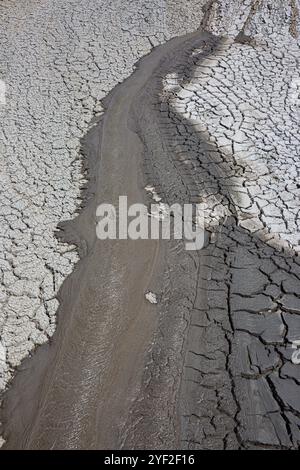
[76,392]
[210,366]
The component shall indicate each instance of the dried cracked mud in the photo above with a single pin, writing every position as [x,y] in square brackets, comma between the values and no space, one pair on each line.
[209,117]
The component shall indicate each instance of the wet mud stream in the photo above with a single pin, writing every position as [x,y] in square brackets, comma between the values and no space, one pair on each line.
[211,365]
[76,392]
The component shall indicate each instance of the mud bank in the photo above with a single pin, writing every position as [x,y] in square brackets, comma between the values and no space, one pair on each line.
[76,392]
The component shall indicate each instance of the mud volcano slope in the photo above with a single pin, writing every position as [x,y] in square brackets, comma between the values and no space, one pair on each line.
[214,364]
[76,393]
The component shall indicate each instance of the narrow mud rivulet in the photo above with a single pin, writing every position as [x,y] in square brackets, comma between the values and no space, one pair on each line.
[76,392]
[215,363]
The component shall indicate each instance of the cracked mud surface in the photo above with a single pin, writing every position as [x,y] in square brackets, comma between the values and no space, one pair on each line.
[219,124]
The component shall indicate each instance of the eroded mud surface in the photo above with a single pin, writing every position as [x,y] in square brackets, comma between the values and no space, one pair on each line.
[214,364]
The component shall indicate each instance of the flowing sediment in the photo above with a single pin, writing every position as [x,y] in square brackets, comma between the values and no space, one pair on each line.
[211,365]
[76,392]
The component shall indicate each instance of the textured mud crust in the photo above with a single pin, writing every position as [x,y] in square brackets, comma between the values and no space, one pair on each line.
[219,124]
